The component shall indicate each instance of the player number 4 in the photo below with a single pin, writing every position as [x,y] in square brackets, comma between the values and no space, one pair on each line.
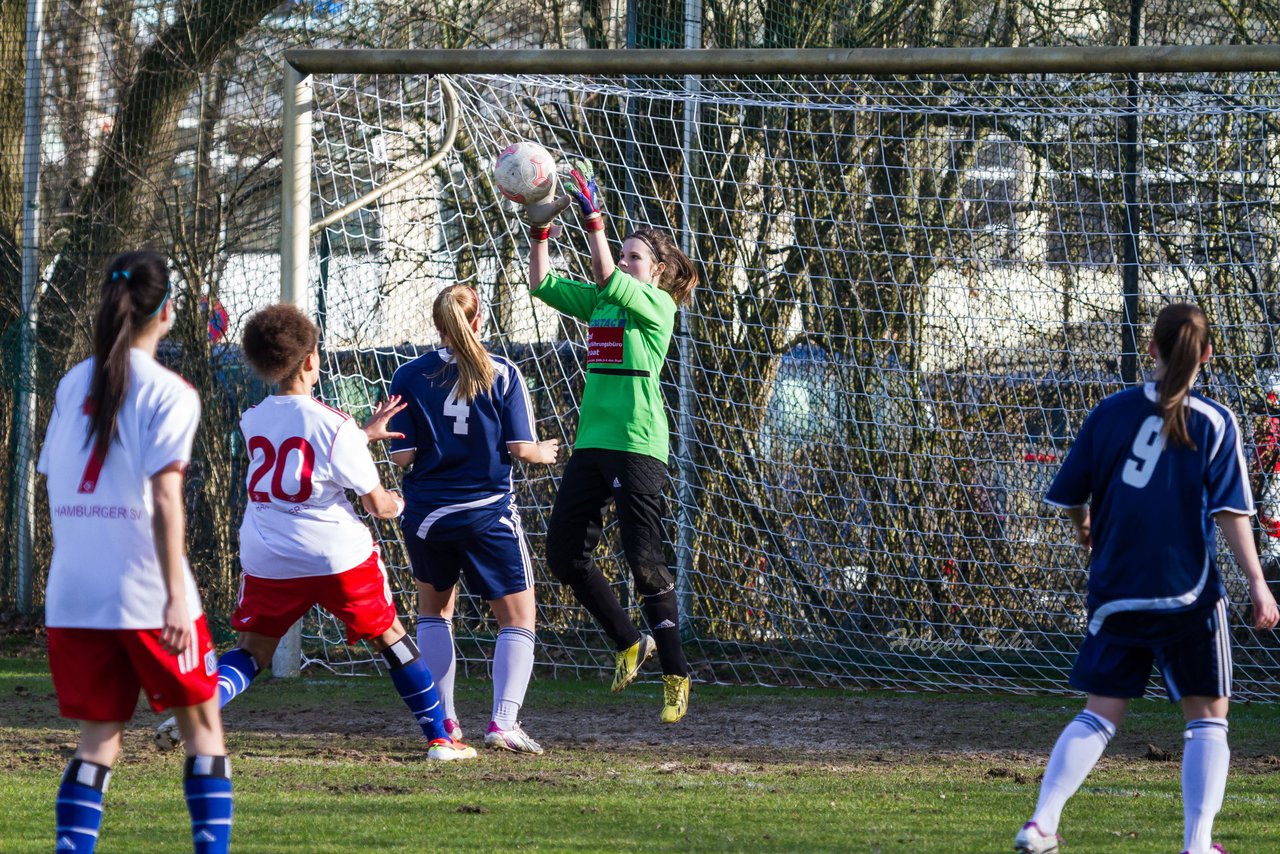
[1146,450]
[457,410]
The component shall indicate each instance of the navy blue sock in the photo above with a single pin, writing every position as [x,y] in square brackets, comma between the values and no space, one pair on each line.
[413,681]
[79,807]
[207,784]
[236,669]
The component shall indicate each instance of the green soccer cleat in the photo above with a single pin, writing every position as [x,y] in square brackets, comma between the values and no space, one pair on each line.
[675,697]
[627,666]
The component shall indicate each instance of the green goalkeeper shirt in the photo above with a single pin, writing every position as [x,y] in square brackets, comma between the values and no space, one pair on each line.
[629,330]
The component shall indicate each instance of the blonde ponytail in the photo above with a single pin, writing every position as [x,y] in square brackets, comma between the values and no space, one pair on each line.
[453,312]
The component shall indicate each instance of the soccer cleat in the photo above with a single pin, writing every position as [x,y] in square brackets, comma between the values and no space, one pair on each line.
[167,736]
[453,728]
[448,750]
[675,697]
[1215,848]
[516,740]
[627,665]
[1032,840]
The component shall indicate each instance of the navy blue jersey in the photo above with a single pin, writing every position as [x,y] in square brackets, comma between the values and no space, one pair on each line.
[462,469]
[1151,506]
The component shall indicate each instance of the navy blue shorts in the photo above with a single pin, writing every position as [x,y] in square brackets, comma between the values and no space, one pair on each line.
[493,556]
[1196,664]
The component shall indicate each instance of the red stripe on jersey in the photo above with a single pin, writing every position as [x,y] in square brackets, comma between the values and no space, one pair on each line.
[344,415]
[92,471]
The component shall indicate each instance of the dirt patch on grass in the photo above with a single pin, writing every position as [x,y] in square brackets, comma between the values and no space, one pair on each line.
[724,731]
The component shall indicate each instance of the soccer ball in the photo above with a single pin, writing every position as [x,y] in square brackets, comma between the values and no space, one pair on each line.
[524,172]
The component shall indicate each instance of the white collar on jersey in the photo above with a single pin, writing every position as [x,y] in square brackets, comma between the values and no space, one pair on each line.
[1149,389]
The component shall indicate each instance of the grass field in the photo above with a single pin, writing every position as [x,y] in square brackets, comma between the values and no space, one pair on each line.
[323,764]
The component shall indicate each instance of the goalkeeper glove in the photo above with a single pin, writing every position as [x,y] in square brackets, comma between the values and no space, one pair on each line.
[542,213]
[584,189]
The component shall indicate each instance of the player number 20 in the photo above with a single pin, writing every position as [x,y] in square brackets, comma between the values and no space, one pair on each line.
[1146,450]
[275,460]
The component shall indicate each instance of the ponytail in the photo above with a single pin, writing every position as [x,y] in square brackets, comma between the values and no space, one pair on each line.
[680,276]
[453,312]
[135,288]
[1181,336]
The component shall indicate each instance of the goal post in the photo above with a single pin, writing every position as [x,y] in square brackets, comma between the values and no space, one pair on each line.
[911,294]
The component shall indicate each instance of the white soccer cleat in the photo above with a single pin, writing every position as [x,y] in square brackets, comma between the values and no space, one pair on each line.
[167,736]
[448,750]
[516,740]
[1032,840]
[453,728]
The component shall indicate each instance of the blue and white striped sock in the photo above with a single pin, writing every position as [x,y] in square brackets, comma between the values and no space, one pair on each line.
[236,669]
[1078,749]
[207,784]
[1206,757]
[79,806]
[412,679]
[512,667]
[435,640]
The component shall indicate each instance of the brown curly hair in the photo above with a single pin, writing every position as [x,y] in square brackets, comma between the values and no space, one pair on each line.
[276,341]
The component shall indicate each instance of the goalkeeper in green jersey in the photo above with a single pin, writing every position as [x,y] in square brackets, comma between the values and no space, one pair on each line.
[621,449]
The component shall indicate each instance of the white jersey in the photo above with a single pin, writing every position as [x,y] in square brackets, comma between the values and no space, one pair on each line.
[105,573]
[303,455]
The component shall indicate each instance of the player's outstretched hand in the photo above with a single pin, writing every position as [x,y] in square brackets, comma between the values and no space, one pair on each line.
[548,450]
[1265,613]
[544,211]
[375,429]
[584,188]
[176,633]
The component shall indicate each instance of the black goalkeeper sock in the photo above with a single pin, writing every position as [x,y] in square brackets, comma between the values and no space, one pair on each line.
[663,615]
[597,597]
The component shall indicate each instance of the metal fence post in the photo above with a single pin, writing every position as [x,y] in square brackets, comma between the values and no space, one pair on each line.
[295,249]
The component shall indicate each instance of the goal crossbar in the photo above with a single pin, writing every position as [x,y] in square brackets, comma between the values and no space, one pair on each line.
[1006,60]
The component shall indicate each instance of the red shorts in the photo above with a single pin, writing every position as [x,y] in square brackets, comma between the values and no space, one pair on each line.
[360,597]
[97,672]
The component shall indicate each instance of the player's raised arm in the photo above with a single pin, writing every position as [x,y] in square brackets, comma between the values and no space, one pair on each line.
[586,192]
[541,217]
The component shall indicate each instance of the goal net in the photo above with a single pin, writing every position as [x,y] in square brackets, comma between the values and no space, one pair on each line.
[913,290]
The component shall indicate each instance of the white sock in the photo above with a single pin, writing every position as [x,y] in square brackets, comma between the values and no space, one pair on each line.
[1077,751]
[1205,758]
[435,643]
[512,667]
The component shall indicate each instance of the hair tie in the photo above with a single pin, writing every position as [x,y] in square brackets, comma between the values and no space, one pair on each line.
[116,274]
[163,299]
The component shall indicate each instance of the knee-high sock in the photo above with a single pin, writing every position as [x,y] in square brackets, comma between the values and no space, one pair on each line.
[207,784]
[663,616]
[512,667]
[79,805]
[236,669]
[1078,749]
[1205,759]
[595,594]
[435,642]
[412,679]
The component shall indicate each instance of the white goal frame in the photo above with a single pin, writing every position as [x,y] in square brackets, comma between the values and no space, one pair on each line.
[301,64]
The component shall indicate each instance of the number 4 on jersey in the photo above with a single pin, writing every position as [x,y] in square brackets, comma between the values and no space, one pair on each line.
[457,410]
